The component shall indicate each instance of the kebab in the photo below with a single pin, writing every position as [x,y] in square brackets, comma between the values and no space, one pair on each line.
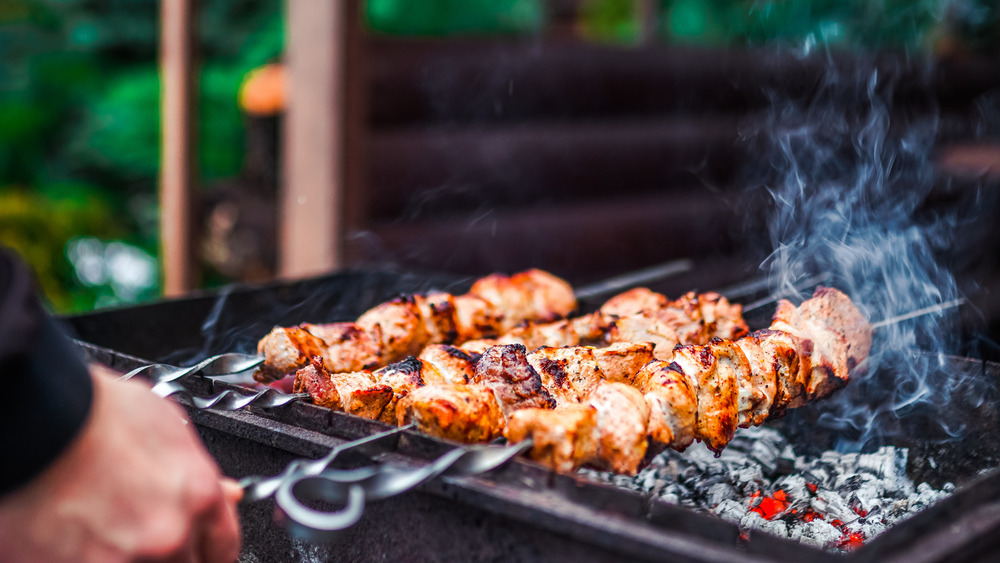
[402,327]
[703,393]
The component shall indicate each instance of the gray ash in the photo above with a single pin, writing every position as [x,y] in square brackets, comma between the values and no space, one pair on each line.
[834,501]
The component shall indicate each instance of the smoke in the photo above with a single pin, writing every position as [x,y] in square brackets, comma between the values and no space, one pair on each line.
[848,170]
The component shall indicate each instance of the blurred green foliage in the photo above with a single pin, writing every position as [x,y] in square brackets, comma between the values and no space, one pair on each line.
[79,122]
[79,89]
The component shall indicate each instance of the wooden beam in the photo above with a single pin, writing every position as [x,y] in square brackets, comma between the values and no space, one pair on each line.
[178,155]
[312,202]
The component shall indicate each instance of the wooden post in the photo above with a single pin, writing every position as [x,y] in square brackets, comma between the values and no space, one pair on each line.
[178,154]
[310,225]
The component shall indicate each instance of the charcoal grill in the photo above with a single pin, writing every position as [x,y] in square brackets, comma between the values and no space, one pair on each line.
[523,511]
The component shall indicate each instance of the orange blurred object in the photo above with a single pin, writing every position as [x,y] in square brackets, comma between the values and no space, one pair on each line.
[263,90]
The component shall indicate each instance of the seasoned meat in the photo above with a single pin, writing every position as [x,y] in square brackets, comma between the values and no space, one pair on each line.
[569,374]
[552,297]
[622,416]
[590,329]
[403,377]
[724,319]
[633,302]
[479,346]
[762,379]
[355,393]
[454,364]
[684,317]
[621,361]
[536,335]
[716,390]
[730,357]
[397,326]
[285,350]
[505,370]
[346,346]
[463,413]
[437,312]
[645,328]
[563,438]
[790,357]
[673,404]
[475,318]
[828,358]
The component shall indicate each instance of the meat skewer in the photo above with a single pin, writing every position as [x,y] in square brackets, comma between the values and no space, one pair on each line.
[595,406]
[402,327]
[394,330]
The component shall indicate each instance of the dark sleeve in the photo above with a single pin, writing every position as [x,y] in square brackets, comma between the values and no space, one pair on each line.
[44,384]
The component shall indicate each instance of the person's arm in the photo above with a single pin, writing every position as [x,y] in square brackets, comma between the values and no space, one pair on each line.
[96,469]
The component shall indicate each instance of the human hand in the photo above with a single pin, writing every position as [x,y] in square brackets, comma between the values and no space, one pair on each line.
[136,484]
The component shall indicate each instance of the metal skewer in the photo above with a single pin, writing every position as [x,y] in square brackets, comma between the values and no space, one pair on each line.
[633,279]
[228,400]
[920,312]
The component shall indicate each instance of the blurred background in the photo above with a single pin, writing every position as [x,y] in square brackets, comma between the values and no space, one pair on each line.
[588,137]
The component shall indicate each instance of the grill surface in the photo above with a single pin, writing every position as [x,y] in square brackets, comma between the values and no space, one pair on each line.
[522,512]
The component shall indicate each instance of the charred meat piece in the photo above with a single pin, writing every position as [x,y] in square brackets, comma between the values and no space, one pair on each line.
[463,413]
[552,297]
[569,374]
[397,327]
[563,438]
[355,393]
[621,361]
[645,328]
[346,346]
[454,364]
[673,404]
[285,350]
[592,328]
[505,370]
[622,417]
[404,377]
[762,380]
[716,390]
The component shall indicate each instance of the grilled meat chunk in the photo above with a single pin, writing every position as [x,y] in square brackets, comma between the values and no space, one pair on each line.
[285,350]
[716,390]
[475,318]
[645,328]
[622,416]
[355,393]
[437,311]
[683,315]
[454,364]
[789,357]
[404,377]
[634,302]
[397,327]
[621,361]
[724,319]
[346,346]
[569,374]
[464,413]
[762,380]
[731,358]
[563,438]
[505,370]
[673,404]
